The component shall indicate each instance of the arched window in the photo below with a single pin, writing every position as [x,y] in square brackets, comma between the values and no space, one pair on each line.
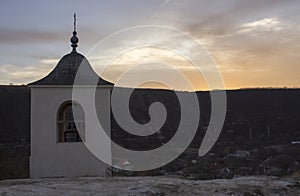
[70,129]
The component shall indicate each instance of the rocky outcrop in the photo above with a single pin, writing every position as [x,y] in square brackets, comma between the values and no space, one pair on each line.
[150,186]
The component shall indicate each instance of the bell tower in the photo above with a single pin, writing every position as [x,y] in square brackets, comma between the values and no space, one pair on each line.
[57,138]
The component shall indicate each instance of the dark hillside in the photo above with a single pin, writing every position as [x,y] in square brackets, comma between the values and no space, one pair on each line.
[15,114]
[14,131]
[259,136]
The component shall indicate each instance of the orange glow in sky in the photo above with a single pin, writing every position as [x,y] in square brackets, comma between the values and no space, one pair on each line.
[254,43]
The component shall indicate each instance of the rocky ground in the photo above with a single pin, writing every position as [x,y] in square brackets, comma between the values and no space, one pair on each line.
[246,186]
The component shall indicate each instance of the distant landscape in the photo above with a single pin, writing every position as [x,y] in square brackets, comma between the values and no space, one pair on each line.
[260,136]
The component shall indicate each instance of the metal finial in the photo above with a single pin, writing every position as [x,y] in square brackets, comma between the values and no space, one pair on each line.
[74,21]
[74,39]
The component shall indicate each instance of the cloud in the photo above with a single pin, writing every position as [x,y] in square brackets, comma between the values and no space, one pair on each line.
[267,24]
[165,2]
[219,18]
[20,36]
[254,42]
[50,61]
[22,74]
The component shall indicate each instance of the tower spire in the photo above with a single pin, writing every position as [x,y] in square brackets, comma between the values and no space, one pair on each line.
[74,39]
[74,21]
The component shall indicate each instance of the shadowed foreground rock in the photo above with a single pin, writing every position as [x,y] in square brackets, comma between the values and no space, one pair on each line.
[246,186]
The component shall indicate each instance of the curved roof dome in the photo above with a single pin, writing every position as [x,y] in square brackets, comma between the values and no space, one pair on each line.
[71,66]
[65,72]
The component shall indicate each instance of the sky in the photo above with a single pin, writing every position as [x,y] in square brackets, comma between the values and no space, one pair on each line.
[254,43]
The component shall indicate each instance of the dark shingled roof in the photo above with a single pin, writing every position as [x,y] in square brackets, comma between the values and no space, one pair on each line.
[65,72]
